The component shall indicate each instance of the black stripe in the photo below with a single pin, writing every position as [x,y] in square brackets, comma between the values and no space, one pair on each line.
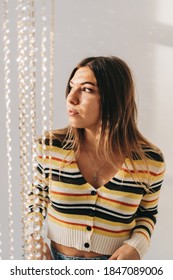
[57,143]
[55,171]
[157,188]
[71,211]
[149,153]
[92,210]
[54,142]
[143,227]
[146,214]
[57,175]
[119,187]
[40,169]
[154,156]
[121,181]
[114,217]
[76,181]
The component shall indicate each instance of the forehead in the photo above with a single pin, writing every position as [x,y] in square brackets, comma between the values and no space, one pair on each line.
[84,74]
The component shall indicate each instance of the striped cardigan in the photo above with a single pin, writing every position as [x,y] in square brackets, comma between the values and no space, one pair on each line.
[99,220]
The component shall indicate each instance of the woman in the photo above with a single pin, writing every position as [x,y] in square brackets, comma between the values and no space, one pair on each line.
[100,178]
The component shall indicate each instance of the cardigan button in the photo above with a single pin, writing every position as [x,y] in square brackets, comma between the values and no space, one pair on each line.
[86,245]
[93,192]
[89,228]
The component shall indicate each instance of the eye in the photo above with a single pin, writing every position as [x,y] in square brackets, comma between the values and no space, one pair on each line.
[86,89]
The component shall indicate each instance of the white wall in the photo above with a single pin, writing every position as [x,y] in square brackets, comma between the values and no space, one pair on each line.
[138,31]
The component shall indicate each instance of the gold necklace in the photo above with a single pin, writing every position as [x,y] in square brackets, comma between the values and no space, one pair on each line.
[95,176]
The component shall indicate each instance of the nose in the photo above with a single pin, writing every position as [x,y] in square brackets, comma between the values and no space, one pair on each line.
[73,96]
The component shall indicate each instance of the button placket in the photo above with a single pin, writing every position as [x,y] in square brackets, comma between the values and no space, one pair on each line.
[89,226]
[92,209]
[88,233]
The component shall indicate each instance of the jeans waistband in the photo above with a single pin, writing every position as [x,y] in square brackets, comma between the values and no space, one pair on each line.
[59,256]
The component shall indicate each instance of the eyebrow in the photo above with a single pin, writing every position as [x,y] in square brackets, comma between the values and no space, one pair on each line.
[87,82]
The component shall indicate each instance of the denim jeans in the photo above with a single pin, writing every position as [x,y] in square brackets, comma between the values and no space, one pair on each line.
[58,256]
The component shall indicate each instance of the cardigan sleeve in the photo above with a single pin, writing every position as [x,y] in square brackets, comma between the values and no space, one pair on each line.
[38,197]
[147,213]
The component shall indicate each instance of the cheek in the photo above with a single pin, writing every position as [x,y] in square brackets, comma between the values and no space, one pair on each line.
[92,107]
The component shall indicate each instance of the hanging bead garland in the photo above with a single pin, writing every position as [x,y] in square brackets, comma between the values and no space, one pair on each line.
[23,25]
[37,224]
[26,60]
[39,229]
[51,84]
[7,81]
[30,254]
[52,67]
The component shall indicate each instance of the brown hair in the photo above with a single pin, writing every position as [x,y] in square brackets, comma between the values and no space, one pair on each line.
[118,111]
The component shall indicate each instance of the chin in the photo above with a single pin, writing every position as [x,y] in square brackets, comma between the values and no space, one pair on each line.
[76,125]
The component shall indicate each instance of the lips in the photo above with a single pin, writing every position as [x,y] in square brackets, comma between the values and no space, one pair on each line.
[72,112]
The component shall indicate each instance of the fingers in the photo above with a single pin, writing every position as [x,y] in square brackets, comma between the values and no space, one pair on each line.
[125,252]
[114,256]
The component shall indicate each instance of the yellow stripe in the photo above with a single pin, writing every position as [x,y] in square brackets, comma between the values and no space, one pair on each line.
[69,198]
[148,204]
[113,224]
[67,225]
[141,163]
[112,234]
[69,186]
[145,222]
[55,150]
[117,205]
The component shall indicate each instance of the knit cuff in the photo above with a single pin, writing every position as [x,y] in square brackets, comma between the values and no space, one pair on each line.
[139,242]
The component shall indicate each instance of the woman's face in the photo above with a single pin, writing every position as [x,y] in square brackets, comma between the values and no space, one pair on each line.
[83,100]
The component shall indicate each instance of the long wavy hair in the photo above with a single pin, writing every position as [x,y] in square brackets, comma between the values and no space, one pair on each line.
[119,132]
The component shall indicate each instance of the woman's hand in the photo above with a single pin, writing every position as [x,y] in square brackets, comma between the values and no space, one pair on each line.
[125,252]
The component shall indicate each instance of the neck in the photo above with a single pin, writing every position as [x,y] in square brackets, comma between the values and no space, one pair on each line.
[90,145]
[91,139]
